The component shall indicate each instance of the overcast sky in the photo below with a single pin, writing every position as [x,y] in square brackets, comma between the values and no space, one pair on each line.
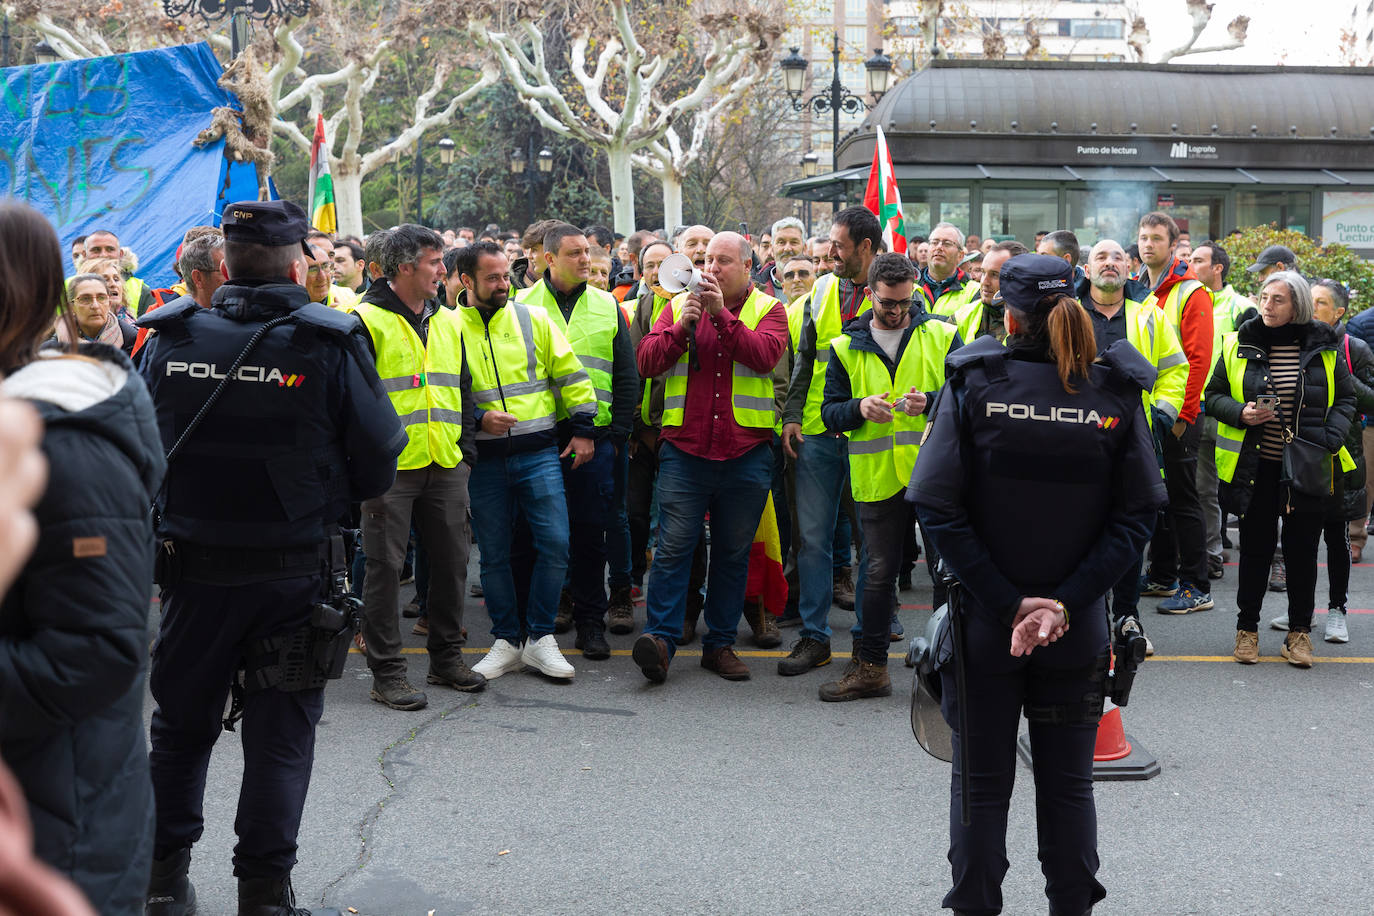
[1281,32]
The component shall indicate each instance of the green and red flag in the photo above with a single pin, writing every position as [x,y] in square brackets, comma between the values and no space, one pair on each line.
[322,213]
[883,198]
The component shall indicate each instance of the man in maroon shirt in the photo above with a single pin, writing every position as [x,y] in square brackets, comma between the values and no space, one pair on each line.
[715,454]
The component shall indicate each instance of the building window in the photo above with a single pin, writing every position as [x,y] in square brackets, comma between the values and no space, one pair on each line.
[1108,211]
[856,36]
[1285,209]
[1096,28]
[923,207]
[856,9]
[906,26]
[1019,213]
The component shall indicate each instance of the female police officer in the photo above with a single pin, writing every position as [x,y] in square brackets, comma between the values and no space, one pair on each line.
[1038,485]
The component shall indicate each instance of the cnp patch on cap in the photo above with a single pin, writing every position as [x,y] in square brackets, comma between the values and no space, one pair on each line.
[274,223]
[1028,279]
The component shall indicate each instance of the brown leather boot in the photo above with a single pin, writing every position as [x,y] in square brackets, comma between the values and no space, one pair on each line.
[843,592]
[689,621]
[764,627]
[621,612]
[562,622]
[867,680]
[726,663]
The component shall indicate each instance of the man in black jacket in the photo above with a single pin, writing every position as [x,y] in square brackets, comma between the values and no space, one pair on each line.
[251,560]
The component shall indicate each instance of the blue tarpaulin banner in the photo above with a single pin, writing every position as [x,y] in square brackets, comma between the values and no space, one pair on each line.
[105,143]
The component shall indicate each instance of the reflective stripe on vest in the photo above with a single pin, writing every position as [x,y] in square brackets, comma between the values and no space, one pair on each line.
[751,393]
[505,368]
[882,455]
[591,333]
[823,309]
[645,413]
[422,381]
[1230,440]
[1144,332]
[951,301]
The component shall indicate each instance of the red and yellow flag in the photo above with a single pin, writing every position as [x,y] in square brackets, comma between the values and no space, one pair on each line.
[766,580]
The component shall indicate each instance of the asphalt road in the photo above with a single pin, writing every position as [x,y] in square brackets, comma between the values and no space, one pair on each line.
[609,795]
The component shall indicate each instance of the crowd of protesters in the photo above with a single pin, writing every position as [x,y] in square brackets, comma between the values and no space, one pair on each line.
[609,435]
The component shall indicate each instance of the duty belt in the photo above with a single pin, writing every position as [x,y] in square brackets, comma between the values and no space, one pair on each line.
[232,565]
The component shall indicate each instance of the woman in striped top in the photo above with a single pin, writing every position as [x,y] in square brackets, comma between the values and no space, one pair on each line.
[1281,353]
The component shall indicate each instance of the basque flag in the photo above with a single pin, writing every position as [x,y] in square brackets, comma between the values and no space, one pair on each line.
[883,199]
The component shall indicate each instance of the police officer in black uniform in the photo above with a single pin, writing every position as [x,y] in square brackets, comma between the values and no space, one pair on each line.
[1038,485]
[251,562]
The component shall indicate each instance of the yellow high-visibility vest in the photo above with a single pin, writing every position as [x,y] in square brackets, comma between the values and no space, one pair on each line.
[882,455]
[422,381]
[591,333]
[522,364]
[751,393]
[822,307]
[1230,439]
[645,413]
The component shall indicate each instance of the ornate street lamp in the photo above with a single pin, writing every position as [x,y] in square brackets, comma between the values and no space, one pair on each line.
[837,97]
[545,160]
[45,53]
[517,162]
[238,12]
[878,69]
[446,148]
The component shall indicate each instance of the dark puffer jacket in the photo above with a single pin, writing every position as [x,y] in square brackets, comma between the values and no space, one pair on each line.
[1359,358]
[74,629]
[1314,422]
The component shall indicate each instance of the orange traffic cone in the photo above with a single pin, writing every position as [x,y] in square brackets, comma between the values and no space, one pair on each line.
[1111,738]
[1116,755]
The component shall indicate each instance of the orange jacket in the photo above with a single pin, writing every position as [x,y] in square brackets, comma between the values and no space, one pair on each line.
[1194,332]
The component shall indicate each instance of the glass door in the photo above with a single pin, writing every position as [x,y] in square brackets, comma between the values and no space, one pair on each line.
[1197,213]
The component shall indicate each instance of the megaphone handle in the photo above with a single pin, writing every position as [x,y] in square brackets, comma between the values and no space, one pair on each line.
[693,363]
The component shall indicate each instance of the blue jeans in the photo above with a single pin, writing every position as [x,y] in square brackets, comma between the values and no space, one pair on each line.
[618,556]
[734,492]
[822,482]
[531,484]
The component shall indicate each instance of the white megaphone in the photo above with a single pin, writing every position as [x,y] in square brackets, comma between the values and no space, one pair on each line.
[678,273]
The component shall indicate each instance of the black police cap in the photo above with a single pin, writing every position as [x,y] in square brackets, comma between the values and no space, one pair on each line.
[1027,279]
[274,223]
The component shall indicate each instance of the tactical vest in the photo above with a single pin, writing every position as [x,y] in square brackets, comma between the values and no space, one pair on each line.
[281,475]
[1050,454]
[591,332]
[822,307]
[751,393]
[1231,439]
[509,359]
[882,455]
[422,381]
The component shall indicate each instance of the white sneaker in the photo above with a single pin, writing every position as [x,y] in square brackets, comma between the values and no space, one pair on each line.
[500,659]
[545,655]
[1280,623]
[1335,625]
